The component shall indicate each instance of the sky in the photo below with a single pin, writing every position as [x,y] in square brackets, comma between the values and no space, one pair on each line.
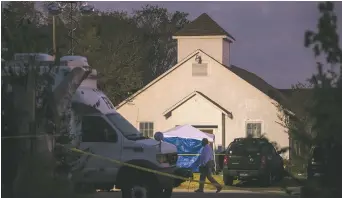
[269,35]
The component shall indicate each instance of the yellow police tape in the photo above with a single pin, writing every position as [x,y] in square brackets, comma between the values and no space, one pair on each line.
[136,167]
[115,161]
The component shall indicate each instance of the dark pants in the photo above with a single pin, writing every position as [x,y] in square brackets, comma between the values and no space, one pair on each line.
[206,172]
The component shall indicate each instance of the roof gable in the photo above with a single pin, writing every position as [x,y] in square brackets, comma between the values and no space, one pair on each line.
[247,76]
[203,25]
[193,94]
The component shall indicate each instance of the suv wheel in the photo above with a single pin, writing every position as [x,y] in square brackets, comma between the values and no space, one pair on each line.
[309,175]
[228,180]
[267,179]
[280,174]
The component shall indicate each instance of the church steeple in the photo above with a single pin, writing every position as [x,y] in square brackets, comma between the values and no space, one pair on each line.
[205,34]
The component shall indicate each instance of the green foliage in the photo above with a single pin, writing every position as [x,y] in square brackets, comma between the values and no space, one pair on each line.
[316,109]
[22,29]
[297,120]
[280,150]
[326,40]
[158,25]
[115,47]
[128,51]
[326,110]
[320,117]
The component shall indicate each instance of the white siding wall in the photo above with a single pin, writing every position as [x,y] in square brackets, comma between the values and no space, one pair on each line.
[212,46]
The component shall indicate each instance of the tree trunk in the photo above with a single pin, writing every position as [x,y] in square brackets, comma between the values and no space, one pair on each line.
[35,179]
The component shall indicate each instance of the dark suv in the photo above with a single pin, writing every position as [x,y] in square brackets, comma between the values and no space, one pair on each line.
[252,158]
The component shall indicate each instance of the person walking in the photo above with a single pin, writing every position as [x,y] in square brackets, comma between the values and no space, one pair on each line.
[206,165]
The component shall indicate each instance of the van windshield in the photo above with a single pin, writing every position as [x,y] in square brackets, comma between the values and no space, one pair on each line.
[126,128]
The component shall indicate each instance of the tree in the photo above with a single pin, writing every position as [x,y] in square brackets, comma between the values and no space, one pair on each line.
[328,80]
[114,47]
[35,107]
[158,25]
[19,17]
[326,110]
[321,120]
[22,32]
[30,107]
[320,115]
[66,21]
[294,116]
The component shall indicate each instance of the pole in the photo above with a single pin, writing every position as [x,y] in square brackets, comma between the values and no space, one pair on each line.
[54,36]
[72,28]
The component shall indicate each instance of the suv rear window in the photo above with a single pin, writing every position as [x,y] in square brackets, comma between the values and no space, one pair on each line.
[244,148]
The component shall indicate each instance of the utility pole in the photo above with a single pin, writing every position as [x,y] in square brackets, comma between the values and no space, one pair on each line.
[56,8]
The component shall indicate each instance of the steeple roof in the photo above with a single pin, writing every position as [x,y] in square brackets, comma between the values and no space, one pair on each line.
[203,25]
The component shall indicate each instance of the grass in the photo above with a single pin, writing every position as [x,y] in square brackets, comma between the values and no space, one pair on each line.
[238,185]
[194,185]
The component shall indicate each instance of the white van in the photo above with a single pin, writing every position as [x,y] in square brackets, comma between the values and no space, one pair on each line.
[106,133]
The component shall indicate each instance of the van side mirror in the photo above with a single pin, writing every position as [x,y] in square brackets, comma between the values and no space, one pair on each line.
[159,136]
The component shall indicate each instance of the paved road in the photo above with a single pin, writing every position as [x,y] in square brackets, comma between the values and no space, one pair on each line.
[223,194]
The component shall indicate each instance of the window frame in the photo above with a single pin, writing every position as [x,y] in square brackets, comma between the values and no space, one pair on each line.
[105,136]
[146,131]
[254,122]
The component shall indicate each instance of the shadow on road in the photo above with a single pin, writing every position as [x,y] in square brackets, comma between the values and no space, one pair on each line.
[286,182]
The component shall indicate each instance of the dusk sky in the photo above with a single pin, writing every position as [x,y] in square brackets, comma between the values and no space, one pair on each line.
[269,35]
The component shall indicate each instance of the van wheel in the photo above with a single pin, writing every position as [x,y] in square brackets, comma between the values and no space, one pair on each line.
[167,193]
[228,181]
[139,190]
[135,191]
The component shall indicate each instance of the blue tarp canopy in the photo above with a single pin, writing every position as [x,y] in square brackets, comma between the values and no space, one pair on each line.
[188,141]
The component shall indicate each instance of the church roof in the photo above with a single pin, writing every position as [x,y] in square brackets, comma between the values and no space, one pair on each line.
[203,25]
